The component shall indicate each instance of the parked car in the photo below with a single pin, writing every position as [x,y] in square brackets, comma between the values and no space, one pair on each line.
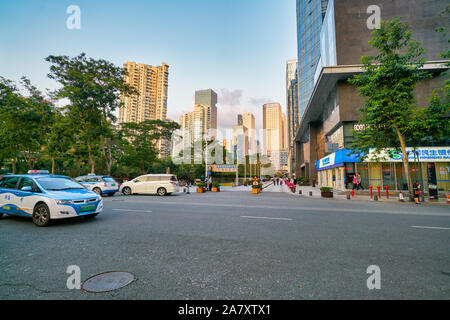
[103,185]
[161,184]
[45,197]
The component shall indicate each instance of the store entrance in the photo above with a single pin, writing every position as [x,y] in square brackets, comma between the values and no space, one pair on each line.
[432,181]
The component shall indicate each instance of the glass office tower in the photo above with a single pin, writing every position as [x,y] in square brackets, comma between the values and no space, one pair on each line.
[310,14]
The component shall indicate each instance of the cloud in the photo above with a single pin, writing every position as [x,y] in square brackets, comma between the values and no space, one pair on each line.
[229,97]
[258,101]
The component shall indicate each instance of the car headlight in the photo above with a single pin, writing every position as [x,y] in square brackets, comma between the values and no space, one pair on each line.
[64,201]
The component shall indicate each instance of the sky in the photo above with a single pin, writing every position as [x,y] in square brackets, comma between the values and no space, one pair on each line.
[238,48]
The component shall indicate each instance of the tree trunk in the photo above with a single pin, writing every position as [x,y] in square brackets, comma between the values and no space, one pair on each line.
[404,159]
[14,166]
[109,160]
[91,159]
[78,166]
[53,165]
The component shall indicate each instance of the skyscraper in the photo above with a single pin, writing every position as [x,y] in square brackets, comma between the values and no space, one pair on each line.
[310,15]
[240,142]
[291,100]
[151,83]
[151,103]
[248,120]
[200,121]
[326,131]
[206,97]
[273,132]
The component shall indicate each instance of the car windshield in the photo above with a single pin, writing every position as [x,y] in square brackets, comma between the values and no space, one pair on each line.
[59,184]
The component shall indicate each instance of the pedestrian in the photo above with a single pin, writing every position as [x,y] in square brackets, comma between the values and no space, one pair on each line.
[416,191]
[210,183]
[355,182]
[295,181]
[359,181]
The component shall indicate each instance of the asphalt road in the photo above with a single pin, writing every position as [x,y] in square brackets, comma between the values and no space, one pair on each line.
[234,245]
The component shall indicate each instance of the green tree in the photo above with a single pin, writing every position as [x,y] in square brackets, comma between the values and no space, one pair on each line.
[391,117]
[142,138]
[60,138]
[93,88]
[24,122]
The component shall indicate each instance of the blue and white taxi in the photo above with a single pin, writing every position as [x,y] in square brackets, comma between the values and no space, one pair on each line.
[45,197]
[104,185]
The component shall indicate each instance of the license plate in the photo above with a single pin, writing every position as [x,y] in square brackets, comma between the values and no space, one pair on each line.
[87,208]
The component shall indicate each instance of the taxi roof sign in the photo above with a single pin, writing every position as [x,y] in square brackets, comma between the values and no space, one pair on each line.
[38,172]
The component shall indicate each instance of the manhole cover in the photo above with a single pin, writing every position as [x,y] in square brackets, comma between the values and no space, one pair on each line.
[108,281]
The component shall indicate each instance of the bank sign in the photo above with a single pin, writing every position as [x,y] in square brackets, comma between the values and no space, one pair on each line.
[327,161]
[423,154]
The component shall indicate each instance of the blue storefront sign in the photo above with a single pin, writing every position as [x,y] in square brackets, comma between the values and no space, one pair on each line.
[337,159]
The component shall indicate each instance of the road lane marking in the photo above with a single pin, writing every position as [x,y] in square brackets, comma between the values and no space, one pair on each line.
[344,210]
[423,227]
[132,210]
[269,218]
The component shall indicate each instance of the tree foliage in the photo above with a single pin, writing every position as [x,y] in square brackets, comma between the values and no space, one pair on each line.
[390,116]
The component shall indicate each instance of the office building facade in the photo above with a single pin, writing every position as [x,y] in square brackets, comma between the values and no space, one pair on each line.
[207,97]
[324,136]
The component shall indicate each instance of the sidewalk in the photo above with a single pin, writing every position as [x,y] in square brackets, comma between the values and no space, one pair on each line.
[359,196]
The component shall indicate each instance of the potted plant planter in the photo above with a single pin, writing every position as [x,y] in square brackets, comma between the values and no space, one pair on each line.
[216,187]
[256,188]
[326,192]
[200,187]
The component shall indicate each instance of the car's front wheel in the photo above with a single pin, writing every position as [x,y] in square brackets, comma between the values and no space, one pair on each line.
[126,191]
[41,215]
[162,191]
[97,190]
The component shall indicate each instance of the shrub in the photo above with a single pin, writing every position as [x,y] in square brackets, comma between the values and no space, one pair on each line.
[326,189]
[303,181]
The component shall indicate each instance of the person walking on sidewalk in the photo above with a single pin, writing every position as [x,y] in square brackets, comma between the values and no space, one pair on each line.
[359,181]
[416,191]
[210,184]
[355,182]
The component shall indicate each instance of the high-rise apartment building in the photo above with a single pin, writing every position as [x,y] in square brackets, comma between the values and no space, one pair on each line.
[248,120]
[274,122]
[151,83]
[240,142]
[201,121]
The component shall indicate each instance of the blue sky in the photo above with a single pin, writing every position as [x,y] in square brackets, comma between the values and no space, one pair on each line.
[236,47]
